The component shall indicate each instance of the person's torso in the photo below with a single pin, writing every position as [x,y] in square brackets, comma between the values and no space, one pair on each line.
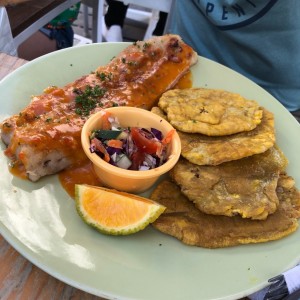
[258,38]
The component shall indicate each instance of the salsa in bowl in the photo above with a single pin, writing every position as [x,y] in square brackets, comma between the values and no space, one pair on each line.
[130,148]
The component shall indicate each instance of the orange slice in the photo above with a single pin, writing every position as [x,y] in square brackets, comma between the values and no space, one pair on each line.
[113,212]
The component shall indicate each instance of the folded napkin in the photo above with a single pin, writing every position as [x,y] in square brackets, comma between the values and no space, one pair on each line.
[280,286]
[292,278]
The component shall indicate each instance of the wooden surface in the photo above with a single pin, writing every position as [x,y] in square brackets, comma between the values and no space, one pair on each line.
[9,63]
[24,14]
[20,279]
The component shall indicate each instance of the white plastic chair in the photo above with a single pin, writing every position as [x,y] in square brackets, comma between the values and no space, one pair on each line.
[98,11]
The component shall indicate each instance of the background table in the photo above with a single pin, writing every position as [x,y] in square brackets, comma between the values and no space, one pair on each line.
[28,17]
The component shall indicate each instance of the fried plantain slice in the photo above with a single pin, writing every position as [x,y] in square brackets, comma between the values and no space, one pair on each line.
[201,149]
[246,187]
[209,111]
[185,222]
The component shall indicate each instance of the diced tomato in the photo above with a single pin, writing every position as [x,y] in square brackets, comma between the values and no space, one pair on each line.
[115,143]
[144,144]
[168,138]
[137,159]
[100,147]
[106,125]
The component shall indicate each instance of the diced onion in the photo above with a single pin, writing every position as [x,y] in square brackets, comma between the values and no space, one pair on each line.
[144,168]
[114,157]
[149,161]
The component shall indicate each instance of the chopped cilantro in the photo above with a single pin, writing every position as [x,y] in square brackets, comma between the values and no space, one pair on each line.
[103,76]
[146,45]
[132,63]
[88,99]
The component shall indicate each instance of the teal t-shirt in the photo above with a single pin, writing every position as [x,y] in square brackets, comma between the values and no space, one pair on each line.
[258,38]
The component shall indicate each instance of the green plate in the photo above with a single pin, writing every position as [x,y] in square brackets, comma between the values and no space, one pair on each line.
[40,221]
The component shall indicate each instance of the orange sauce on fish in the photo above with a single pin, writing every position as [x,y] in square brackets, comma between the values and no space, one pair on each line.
[18,170]
[78,174]
[185,81]
[83,173]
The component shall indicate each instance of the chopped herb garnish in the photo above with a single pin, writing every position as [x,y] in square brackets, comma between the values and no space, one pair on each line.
[203,110]
[88,99]
[132,63]
[48,120]
[123,60]
[104,76]
[146,45]
[101,75]
[78,112]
